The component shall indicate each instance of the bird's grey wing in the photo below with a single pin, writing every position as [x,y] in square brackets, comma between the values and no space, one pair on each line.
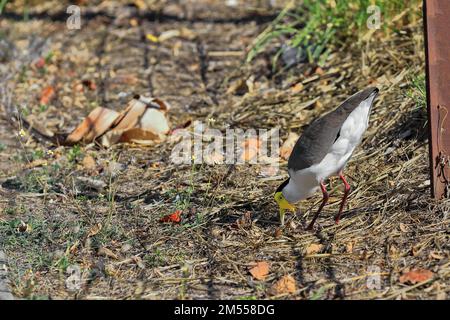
[318,138]
[342,112]
[315,142]
[354,101]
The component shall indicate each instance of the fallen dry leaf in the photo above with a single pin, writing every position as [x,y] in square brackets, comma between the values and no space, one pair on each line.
[250,149]
[78,87]
[313,248]
[94,230]
[260,270]
[173,217]
[284,285]
[89,163]
[94,125]
[416,275]
[129,118]
[297,88]
[288,145]
[74,248]
[154,120]
[319,71]
[40,63]
[36,163]
[138,135]
[103,251]
[349,247]
[134,22]
[278,232]
[143,121]
[47,94]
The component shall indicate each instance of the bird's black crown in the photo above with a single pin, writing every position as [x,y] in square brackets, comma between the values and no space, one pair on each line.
[280,188]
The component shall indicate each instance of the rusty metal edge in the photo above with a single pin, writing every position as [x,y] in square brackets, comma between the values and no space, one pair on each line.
[436,30]
[429,117]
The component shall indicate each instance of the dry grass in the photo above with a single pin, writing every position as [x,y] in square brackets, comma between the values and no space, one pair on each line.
[115,235]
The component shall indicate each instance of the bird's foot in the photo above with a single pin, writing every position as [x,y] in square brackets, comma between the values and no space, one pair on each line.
[310,227]
[337,218]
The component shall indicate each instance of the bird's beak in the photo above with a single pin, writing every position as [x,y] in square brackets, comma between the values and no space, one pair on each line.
[282,212]
[284,205]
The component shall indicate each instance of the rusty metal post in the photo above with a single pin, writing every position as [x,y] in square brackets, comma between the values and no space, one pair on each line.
[437,41]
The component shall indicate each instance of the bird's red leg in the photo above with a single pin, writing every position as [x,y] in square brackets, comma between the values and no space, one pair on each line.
[324,201]
[344,198]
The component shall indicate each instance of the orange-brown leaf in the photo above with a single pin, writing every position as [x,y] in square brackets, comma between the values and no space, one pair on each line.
[314,248]
[250,149]
[129,117]
[319,71]
[174,217]
[278,233]
[288,145]
[138,135]
[95,124]
[47,94]
[89,163]
[285,285]
[297,88]
[416,275]
[260,270]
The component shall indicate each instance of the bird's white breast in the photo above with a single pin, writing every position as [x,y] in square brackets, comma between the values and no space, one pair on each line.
[305,182]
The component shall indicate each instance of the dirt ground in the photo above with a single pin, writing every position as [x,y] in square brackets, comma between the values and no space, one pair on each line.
[50,225]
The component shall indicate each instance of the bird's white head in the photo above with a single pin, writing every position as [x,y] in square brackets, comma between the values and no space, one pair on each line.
[283,204]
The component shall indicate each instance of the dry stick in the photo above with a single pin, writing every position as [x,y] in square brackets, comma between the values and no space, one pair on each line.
[236,268]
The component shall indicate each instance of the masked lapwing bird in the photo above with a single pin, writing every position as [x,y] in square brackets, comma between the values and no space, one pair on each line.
[323,151]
